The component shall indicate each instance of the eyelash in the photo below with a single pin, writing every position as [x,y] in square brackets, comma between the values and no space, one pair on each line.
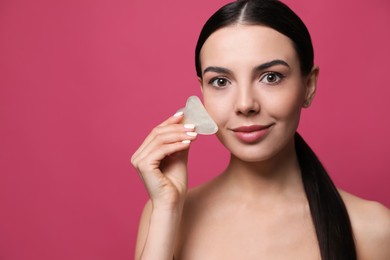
[213,82]
[280,77]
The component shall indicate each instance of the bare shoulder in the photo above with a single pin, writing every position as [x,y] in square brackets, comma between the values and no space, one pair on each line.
[211,190]
[199,196]
[201,201]
[367,213]
[371,225]
[198,204]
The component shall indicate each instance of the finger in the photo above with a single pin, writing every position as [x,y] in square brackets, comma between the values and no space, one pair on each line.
[149,165]
[170,125]
[175,132]
[175,119]
[163,139]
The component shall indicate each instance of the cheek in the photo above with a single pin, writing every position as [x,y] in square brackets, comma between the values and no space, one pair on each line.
[216,110]
[218,106]
[285,107]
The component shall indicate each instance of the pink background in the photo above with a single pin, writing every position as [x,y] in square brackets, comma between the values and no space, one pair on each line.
[82,82]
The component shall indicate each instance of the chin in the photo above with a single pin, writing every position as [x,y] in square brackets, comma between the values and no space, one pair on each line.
[262,151]
[253,157]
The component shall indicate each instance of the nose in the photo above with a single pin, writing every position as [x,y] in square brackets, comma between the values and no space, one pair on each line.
[246,102]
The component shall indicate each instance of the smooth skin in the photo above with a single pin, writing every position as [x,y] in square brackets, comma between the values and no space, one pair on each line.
[256,208]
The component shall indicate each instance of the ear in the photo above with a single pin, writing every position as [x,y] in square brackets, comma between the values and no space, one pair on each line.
[311,86]
[200,84]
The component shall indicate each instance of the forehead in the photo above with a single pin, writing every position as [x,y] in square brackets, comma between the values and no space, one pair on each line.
[240,45]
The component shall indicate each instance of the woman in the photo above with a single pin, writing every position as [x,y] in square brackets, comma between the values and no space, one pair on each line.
[254,61]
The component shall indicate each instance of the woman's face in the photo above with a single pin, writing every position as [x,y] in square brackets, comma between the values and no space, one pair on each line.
[253,88]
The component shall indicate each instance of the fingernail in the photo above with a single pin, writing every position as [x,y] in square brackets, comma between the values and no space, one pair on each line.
[177,114]
[192,133]
[186,141]
[189,126]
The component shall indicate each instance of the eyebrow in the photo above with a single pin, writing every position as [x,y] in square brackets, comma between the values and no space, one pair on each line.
[271,64]
[216,70]
[260,67]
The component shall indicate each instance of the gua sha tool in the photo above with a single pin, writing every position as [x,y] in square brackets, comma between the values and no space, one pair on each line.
[195,113]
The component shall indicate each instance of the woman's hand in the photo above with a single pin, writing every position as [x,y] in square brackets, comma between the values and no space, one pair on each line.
[161,162]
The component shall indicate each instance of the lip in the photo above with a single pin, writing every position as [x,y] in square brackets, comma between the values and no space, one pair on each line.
[252,133]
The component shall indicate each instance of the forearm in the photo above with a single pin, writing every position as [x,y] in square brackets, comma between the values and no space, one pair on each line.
[163,228]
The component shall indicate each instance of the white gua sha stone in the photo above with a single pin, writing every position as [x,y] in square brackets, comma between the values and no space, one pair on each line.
[196,114]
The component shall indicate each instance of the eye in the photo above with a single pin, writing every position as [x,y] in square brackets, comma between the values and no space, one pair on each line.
[271,78]
[219,82]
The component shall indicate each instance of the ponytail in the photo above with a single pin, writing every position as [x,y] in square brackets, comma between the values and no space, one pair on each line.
[328,211]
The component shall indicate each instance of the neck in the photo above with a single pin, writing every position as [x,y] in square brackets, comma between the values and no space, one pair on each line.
[277,176]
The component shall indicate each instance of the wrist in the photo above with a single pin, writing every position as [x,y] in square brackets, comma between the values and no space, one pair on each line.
[167,208]
[168,203]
